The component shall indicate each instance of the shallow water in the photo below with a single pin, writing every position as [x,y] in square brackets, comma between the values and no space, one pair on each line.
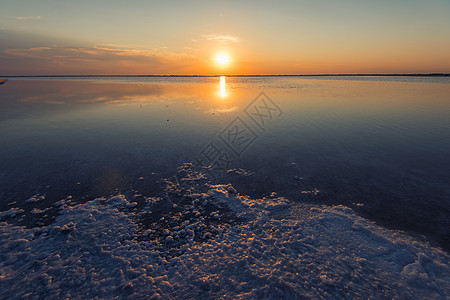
[377,144]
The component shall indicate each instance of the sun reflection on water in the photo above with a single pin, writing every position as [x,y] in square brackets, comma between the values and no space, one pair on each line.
[222,90]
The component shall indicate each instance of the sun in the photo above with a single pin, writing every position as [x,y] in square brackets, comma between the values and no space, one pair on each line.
[223,59]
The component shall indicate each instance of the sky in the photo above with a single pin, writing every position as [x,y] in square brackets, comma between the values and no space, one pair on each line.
[137,37]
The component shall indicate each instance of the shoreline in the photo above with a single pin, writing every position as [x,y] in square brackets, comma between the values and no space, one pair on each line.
[267,246]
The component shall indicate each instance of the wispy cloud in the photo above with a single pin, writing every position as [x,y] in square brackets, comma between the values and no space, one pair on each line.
[220,38]
[83,53]
[27,18]
[191,49]
[104,58]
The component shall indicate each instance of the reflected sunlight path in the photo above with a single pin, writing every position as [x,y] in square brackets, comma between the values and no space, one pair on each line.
[222,87]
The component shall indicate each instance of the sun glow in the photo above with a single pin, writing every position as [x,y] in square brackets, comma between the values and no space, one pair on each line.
[222,59]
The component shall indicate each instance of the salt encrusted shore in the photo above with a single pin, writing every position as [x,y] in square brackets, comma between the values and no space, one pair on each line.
[218,244]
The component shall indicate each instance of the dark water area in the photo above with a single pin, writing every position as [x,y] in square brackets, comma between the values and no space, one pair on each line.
[379,145]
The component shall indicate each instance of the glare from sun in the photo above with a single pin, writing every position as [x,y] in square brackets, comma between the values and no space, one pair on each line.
[222,59]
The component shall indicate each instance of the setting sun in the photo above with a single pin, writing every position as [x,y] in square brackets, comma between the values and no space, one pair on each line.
[222,59]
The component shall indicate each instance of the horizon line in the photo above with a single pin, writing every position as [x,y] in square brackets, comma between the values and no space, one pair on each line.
[237,75]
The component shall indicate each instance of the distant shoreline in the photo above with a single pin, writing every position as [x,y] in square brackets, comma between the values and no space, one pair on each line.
[266,75]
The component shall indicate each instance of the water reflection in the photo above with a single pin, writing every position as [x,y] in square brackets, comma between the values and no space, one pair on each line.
[384,144]
[32,97]
[222,90]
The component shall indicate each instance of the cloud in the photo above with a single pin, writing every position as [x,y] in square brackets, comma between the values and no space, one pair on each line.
[94,53]
[220,38]
[27,18]
[99,59]
[191,49]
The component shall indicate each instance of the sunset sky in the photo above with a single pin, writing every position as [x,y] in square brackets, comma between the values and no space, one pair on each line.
[258,37]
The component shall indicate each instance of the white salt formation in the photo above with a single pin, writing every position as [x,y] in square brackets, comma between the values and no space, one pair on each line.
[266,248]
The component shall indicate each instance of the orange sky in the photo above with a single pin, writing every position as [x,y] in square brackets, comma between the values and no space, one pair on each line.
[260,37]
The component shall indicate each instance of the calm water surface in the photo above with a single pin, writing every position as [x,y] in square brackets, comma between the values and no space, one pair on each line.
[380,145]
